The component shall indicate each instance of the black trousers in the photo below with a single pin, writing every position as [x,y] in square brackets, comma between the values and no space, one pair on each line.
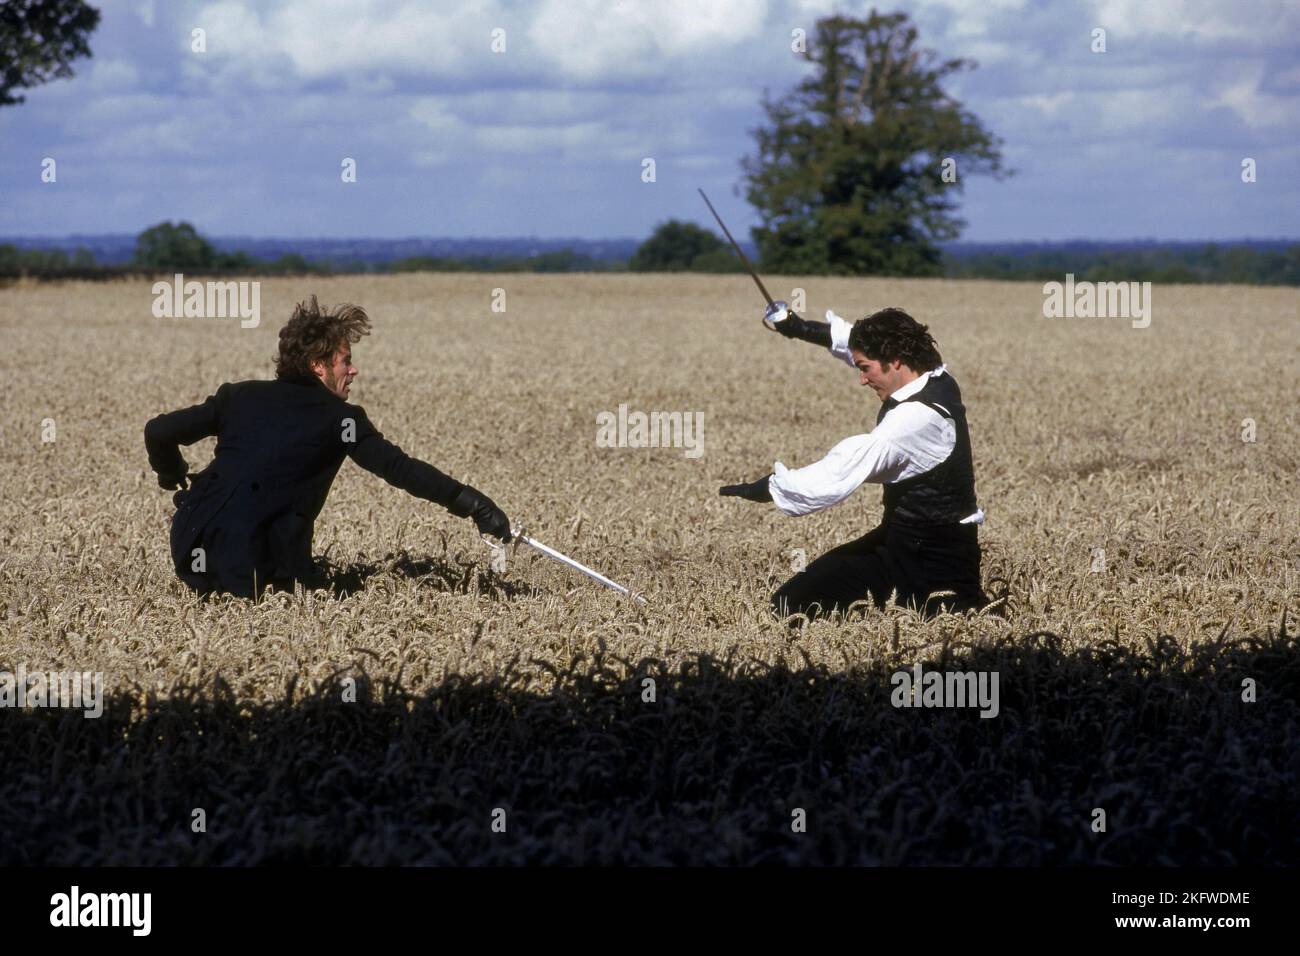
[914,562]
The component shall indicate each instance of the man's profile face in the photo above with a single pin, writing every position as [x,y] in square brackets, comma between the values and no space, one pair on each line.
[883,378]
[338,373]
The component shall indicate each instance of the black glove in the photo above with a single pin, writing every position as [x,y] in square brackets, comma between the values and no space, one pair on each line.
[174,480]
[754,491]
[488,518]
[779,317]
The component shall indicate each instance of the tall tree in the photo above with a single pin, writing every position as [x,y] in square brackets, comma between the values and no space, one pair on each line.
[849,178]
[39,39]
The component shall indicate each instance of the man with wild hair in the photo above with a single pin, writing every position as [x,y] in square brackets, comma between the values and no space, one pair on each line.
[919,451]
[247,519]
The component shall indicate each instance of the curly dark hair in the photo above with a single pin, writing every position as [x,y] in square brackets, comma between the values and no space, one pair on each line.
[893,334]
[313,333]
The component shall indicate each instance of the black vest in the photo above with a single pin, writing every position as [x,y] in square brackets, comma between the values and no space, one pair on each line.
[946,493]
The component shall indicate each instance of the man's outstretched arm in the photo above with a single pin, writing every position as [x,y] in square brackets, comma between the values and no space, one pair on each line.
[801,491]
[832,334]
[373,452]
[911,436]
[165,433]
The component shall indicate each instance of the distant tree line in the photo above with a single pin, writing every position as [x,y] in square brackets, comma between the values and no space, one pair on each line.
[179,247]
[1208,263]
[166,247]
[675,246]
[40,262]
[563,260]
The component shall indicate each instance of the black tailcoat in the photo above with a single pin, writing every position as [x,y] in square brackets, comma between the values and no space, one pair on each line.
[279,446]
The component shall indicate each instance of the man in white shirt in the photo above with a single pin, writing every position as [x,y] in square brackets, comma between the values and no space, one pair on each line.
[919,451]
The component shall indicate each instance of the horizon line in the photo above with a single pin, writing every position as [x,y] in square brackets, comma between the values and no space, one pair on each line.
[29,237]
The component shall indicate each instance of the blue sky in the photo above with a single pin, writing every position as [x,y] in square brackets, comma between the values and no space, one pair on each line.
[548,137]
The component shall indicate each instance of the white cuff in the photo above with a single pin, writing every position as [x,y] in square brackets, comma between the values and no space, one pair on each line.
[840,329]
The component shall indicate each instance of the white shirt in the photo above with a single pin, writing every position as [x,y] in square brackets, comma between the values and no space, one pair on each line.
[910,440]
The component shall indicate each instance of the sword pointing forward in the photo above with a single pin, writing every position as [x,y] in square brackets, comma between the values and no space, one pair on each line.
[565,559]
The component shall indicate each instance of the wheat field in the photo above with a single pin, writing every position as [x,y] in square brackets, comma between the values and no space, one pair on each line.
[1145,551]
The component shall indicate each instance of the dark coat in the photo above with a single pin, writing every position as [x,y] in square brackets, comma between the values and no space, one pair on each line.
[279,446]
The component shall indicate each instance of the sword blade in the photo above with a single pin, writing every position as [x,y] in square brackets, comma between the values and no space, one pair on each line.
[735,245]
[578,566]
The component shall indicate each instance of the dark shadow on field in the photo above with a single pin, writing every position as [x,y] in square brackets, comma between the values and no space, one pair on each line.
[435,572]
[710,772]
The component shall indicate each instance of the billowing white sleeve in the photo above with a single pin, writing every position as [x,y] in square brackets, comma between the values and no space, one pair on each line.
[827,482]
[840,329]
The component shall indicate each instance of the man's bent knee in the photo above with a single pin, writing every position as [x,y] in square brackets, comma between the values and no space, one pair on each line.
[785,604]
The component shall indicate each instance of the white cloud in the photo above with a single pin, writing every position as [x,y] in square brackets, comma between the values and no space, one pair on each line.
[592,137]
[115,110]
[574,39]
[1207,21]
[595,38]
[184,135]
[434,114]
[315,39]
[1256,108]
[1049,105]
[966,19]
[815,8]
[231,30]
[530,139]
[430,158]
[620,127]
